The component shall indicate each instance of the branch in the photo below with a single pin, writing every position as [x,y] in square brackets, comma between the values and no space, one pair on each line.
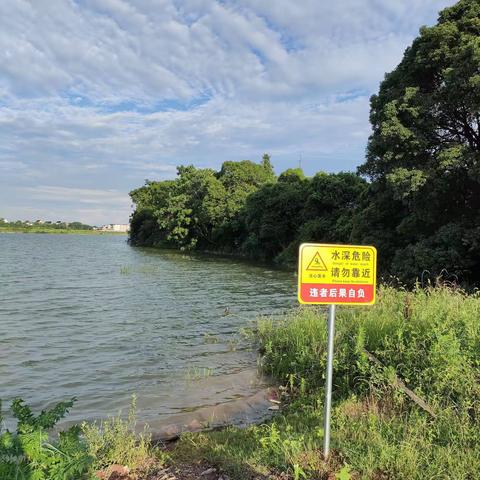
[399,383]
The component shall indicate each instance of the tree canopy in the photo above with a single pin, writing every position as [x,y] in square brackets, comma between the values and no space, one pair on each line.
[416,197]
[245,209]
[423,156]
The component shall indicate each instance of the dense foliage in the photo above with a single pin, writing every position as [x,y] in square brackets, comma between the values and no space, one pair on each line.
[421,206]
[245,209]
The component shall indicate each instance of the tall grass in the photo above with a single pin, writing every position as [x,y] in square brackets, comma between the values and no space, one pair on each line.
[428,338]
[114,441]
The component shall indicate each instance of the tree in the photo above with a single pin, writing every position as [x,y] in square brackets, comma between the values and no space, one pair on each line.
[424,153]
[292,175]
[149,199]
[196,208]
[329,207]
[267,166]
[245,176]
[240,179]
[272,218]
[278,217]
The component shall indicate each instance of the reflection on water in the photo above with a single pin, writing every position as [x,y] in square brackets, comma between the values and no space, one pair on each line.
[91,317]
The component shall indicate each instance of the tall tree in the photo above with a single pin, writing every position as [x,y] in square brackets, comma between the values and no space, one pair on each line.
[424,153]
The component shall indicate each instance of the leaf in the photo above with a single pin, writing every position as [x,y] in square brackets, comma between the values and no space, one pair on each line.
[343,474]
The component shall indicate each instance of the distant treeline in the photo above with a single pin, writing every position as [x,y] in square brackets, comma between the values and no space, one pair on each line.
[22,225]
[416,197]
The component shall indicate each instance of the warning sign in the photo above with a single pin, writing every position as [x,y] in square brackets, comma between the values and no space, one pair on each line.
[333,274]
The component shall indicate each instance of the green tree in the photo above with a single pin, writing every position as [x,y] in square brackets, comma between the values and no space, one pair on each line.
[79,226]
[292,175]
[273,215]
[329,208]
[424,153]
[149,199]
[240,179]
[267,166]
[278,217]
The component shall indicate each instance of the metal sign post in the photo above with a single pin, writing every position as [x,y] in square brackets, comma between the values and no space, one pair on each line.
[328,381]
[333,275]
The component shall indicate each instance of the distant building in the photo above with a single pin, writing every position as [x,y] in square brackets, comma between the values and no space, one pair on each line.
[116,227]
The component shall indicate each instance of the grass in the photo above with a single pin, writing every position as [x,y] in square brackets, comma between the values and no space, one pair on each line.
[89,451]
[429,338]
[113,442]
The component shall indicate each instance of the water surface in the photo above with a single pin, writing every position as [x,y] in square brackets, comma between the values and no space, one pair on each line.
[91,317]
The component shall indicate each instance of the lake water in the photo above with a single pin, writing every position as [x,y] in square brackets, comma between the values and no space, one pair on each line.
[91,317]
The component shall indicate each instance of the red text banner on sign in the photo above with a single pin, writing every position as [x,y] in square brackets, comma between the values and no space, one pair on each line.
[314,292]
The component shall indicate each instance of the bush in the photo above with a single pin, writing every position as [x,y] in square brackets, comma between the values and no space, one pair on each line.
[27,453]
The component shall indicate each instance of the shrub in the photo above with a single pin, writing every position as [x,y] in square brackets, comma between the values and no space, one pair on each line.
[27,453]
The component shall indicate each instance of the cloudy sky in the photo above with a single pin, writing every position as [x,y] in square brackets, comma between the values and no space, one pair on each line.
[98,95]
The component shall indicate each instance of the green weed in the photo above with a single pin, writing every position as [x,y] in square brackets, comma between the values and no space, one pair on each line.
[209,338]
[28,453]
[113,441]
[198,373]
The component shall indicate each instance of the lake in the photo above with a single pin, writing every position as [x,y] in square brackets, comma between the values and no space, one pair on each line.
[92,317]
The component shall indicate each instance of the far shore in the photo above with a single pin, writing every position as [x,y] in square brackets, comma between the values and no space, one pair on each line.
[58,230]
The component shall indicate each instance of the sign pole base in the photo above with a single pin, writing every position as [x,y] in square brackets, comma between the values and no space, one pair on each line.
[328,382]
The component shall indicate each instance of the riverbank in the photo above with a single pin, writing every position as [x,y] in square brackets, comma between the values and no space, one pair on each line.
[406,400]
[423,342]
[35,229]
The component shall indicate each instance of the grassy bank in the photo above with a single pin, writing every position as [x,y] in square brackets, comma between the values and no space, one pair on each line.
[429,340]
[56,230]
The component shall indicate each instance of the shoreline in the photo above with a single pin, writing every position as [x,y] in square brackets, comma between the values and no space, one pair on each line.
[221,255]
[60,231]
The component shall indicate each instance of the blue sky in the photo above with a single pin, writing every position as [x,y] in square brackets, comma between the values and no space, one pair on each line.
[98,95]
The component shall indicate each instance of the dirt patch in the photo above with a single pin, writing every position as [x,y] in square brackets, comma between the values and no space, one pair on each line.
[198,471]
[244,411]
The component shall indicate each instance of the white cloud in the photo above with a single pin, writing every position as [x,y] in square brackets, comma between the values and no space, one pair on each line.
[113,50]
[81,195]
[99,94]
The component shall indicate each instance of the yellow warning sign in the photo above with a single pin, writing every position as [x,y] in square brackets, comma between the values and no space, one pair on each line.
[333,274]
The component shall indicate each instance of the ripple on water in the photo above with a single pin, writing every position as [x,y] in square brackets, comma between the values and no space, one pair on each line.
[91,317]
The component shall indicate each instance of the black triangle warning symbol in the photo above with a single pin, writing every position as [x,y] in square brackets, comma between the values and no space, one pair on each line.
[317,263]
